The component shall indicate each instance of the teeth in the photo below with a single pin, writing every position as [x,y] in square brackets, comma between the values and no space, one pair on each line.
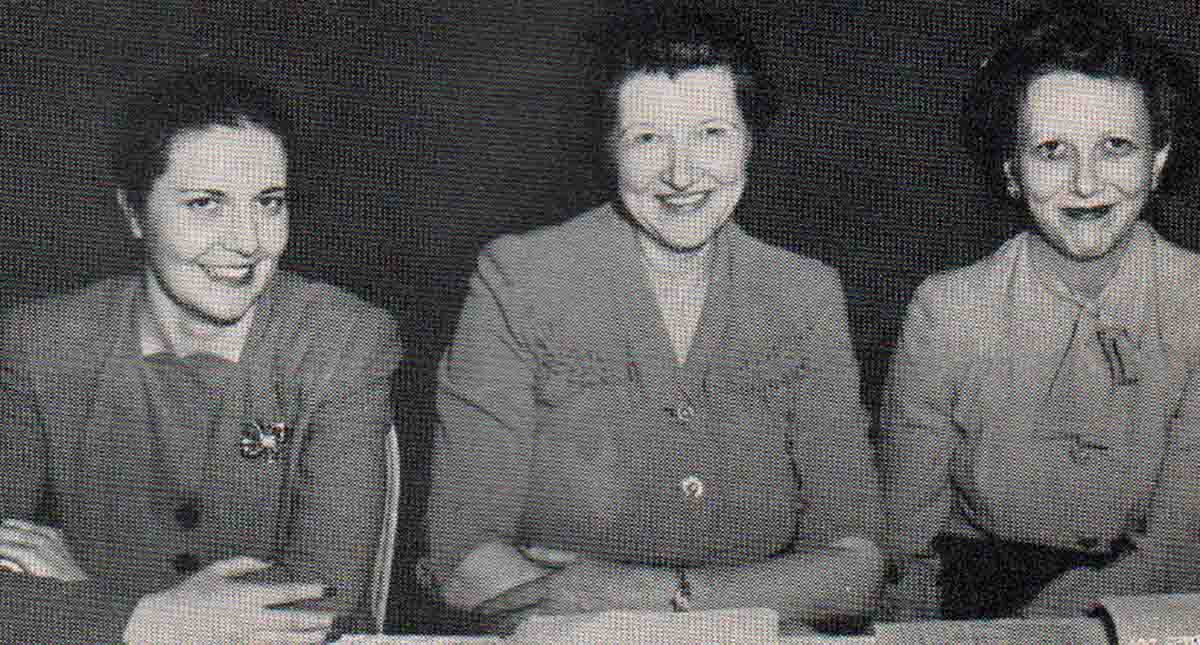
[228,273]
[685,200]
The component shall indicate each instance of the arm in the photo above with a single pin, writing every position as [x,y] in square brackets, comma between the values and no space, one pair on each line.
[340,493]
[1165,559]
[830,577]
[917,441]
[42,609]
[482,445]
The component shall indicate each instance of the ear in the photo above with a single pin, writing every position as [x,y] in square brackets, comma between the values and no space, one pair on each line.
[1012,182]
[1160,162]
[135,223]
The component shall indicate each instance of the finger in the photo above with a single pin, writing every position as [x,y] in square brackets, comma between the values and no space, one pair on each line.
[282,638]
[547,556]
[282,593]
[234,567]
[26,557]
[48,532]
[517,598]
[297,620]
[18,535]
[10,566]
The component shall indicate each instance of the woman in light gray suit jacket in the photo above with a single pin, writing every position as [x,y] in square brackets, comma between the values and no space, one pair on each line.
[1042,421]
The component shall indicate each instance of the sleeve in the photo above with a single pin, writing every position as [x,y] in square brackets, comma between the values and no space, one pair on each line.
[837,471]
[482,445]
[339,514]
[917,441]
[42,610]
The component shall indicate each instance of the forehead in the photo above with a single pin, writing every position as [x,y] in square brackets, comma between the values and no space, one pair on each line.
[1076,103]
[223,153]
[695,94]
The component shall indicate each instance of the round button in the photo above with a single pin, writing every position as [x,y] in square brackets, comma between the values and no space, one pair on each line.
[187,514]
[684,412]
[692,487]
[186,563]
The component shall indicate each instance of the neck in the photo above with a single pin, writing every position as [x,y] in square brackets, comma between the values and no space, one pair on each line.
[1085,278]
[184,333]
[691,262]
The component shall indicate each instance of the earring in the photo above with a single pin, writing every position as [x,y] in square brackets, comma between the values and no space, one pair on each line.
[1014,190]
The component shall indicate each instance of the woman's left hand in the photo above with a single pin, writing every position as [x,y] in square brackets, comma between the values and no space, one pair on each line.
[589,585]
[38,551]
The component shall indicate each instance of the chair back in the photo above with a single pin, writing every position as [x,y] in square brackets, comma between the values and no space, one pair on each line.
[382,579]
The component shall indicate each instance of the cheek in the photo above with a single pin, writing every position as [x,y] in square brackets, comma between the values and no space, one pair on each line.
[638,172]
[274,235]
[1041,182]
[175,237]
[1133,177]
[727,166]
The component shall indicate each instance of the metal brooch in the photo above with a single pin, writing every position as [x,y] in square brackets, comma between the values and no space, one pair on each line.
[258,440]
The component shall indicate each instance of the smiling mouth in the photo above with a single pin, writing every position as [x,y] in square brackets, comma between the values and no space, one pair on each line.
[1087,214]
[684,200]
[234,276]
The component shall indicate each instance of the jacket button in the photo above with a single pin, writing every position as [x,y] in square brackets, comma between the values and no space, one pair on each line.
[186,563]
[187,514]
[685,412]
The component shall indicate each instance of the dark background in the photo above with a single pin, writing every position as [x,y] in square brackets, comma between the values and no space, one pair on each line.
[428,130]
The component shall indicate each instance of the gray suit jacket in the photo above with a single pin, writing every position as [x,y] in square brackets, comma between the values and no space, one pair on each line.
[77,451]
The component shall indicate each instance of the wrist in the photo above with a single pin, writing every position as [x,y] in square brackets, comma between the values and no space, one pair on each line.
[141,626]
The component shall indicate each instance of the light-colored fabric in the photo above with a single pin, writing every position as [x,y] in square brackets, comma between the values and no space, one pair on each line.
[567,422]
[78,451]
[1015,410]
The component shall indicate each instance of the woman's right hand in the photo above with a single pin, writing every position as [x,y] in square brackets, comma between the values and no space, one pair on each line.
[212,606]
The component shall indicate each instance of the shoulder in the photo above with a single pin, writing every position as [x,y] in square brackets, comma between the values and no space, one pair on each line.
[67,320]
[973,289]
[317,314]
[551,248]
[775,264]
[1177,290]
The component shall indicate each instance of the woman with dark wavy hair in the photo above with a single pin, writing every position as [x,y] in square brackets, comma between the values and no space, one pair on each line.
[645,407]
[194,452]
[1043,410]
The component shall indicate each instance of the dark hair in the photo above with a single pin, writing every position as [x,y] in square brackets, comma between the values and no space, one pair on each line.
[674,39]
[190,100]
[1079,36]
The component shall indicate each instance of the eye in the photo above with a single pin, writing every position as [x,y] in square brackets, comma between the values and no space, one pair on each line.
[273,201]
[1051,150]
[1119,146]
[716,131]
[201,203]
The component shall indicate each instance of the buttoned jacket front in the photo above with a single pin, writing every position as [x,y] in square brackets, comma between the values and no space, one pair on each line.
[566,420]
[79,452]
[961,417]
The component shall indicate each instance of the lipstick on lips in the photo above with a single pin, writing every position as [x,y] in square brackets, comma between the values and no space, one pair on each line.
[1087,214]
[684,200]
[234,275]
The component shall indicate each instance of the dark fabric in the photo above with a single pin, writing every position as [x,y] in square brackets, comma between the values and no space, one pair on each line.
[988,579]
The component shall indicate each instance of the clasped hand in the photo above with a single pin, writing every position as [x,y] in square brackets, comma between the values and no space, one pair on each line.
[37,550]
[578,584]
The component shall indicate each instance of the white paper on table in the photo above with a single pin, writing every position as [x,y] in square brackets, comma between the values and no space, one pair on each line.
[728,627]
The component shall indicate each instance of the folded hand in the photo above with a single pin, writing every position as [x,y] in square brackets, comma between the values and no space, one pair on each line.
[38,551]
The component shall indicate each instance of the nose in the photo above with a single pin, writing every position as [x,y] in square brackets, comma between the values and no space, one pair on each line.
[679,173]
[1086,181]
[241,229]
